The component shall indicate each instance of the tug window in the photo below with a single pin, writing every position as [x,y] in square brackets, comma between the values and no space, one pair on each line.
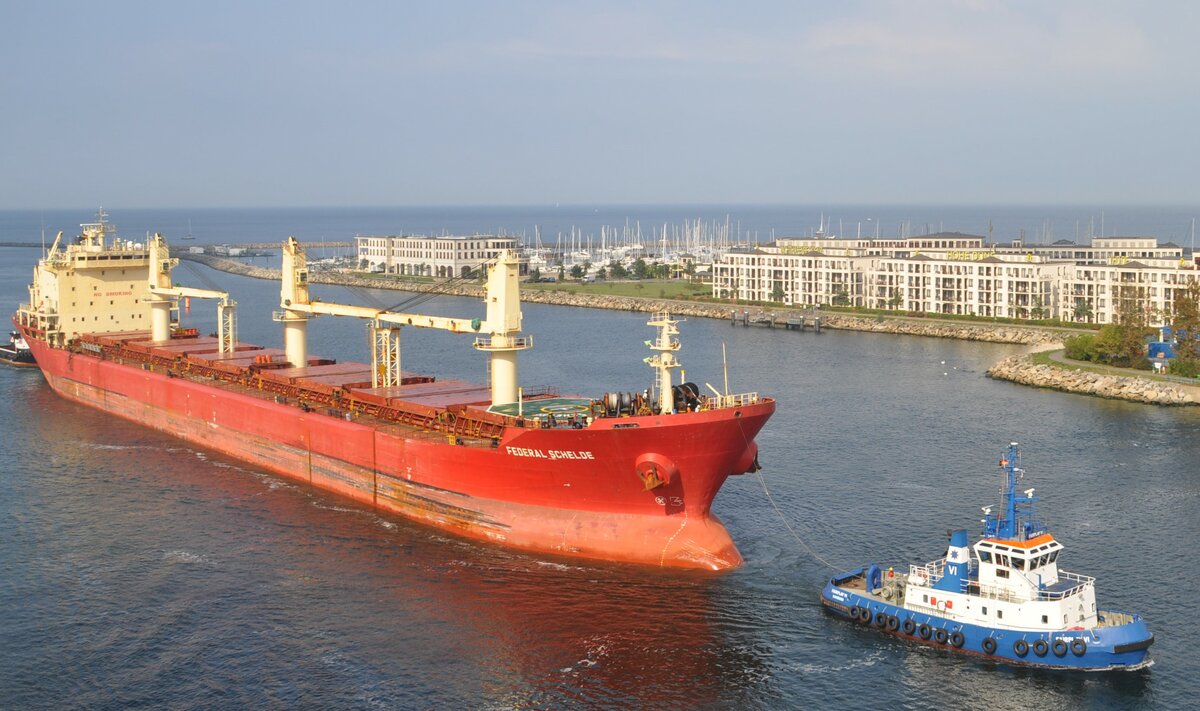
[985,556]
[1019,563]
[1053,556]
[1001,573]
[1045,619]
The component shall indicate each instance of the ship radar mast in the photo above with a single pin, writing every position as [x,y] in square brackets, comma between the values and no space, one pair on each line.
[1016,520]
[664,362]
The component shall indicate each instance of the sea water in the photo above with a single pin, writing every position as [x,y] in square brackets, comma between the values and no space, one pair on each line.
[142,571]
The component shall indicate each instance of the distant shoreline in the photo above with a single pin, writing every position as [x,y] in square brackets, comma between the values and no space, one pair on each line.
[899,325]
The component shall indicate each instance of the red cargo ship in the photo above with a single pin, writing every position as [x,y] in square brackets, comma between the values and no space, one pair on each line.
[627,477]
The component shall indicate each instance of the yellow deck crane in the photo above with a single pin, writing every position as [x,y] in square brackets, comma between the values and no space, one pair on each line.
[503,323]
[164,295]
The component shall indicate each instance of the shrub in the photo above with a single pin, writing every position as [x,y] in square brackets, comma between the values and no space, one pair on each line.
[1081,347]
[1185,367]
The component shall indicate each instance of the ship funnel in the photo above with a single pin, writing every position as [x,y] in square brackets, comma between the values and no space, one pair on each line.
[958,559]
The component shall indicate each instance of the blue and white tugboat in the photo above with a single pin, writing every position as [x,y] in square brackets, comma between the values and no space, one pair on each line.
[1005,599]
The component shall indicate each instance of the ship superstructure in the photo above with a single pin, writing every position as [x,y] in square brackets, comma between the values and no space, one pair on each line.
[627,476]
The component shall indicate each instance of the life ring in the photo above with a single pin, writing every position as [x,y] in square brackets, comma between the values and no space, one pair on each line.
[989,645]
[1040,647]
[924,631]
[881,618]
[940,636]
[1059,647]
[909,626]
[957,639]
[893,623]
[1020,648]
[1079,646]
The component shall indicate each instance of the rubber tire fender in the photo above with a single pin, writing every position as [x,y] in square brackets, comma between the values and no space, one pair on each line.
[924,632]
[989,645]
[1079,646]
[1059,647]
[881,618]
[940,635]
[909,626]
[1020,648]
[864,615]
[1040,647]
[957,640]
[893,623]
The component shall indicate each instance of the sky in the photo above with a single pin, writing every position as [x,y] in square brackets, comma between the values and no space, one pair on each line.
[242,104]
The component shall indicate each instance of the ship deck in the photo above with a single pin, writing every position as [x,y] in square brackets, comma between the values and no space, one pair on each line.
[421,406]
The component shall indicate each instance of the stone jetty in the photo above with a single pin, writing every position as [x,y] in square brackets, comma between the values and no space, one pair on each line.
[1021,369]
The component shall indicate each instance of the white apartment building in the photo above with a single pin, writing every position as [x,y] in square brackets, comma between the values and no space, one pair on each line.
[960,277]
[431,256]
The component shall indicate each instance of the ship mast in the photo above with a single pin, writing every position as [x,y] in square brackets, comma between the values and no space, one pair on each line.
[664,362]
[1016,519]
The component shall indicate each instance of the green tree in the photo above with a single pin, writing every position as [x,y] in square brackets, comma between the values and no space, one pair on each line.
[777,293]
[841,298]
[577,271]
[617,271]
[1038,311]
[896,299]
[1107,344]
[640,270]
[1185,321]
[601,274]
[562,273]
[535,274]
[1083,310]
[1133,317]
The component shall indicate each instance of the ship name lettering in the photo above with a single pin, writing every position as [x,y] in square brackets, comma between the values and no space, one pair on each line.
[552,454]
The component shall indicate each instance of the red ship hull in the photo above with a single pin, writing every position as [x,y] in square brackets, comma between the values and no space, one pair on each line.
[573,492]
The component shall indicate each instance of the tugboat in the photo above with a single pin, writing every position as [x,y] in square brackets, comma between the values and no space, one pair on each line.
[1006,599]
[16,352]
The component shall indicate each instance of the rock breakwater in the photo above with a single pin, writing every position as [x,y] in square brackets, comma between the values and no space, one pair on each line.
[1021,369]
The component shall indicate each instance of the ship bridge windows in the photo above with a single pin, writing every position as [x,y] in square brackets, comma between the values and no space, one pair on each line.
[985,556]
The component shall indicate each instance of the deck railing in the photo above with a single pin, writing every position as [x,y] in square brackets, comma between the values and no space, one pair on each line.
[718,402]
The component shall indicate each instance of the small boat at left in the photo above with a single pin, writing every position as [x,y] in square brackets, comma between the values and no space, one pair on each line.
[16,352]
